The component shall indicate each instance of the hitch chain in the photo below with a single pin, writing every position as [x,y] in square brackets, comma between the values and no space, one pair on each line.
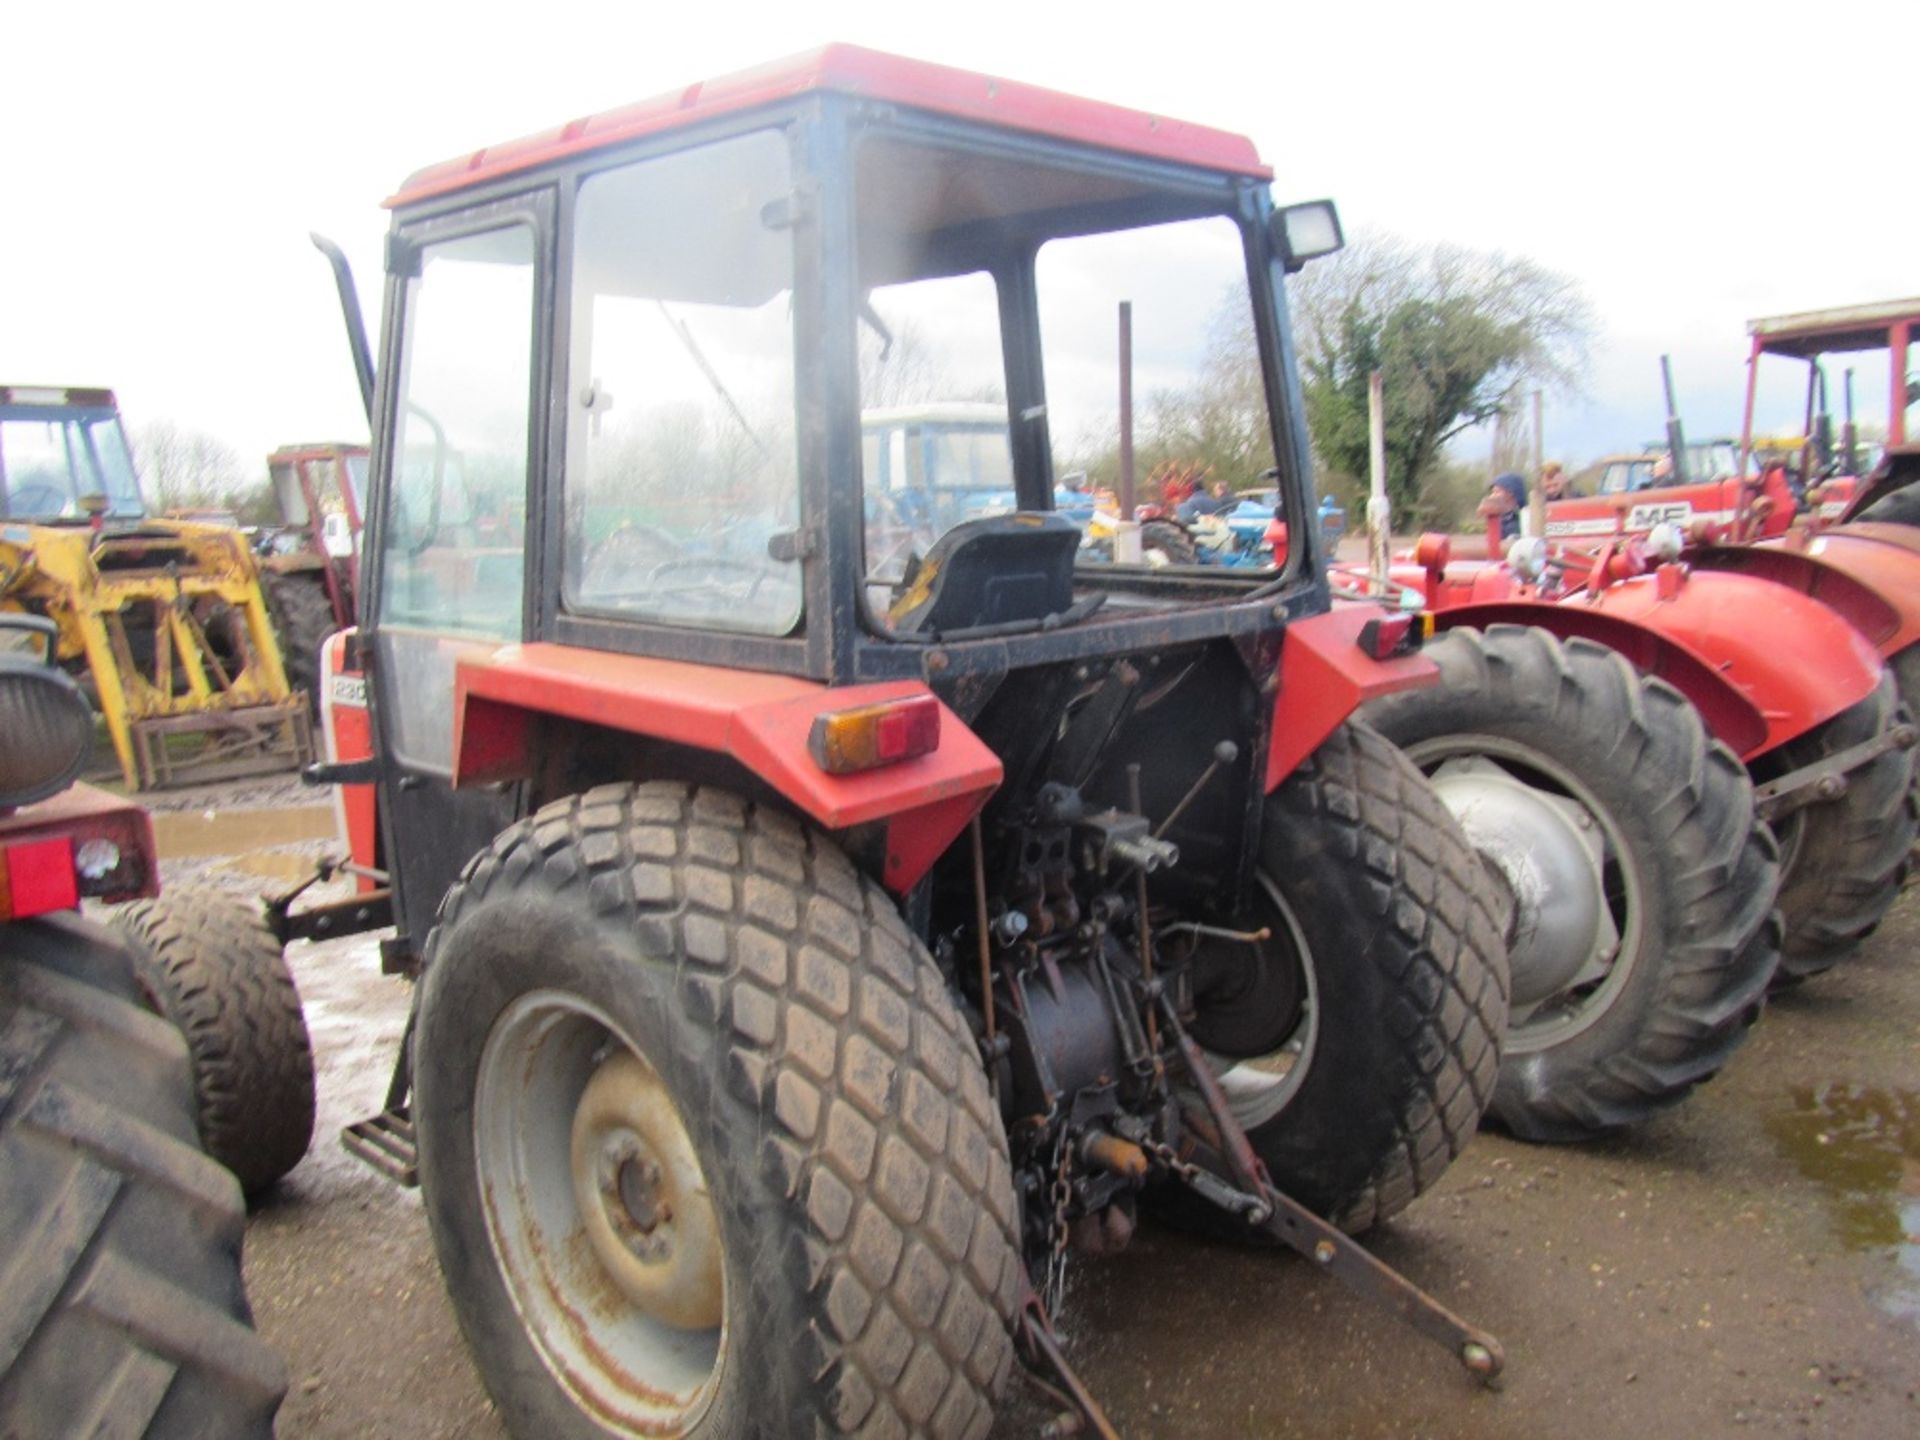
[1256,1199]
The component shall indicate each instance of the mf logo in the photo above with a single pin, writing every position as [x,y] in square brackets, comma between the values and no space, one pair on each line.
[1645,517]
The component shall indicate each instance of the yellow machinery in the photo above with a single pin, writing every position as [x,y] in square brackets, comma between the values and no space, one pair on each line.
[166,617]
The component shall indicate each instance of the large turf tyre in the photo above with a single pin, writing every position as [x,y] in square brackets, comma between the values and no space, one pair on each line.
[121,1305]
[303,618]
[672,964]
[1169,541]
[1367,1039]
[209,964]
[1643,935]
[1842,861]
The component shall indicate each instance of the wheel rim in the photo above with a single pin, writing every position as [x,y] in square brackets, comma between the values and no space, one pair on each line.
[1576,937]
[600,1218]
[1259,1088]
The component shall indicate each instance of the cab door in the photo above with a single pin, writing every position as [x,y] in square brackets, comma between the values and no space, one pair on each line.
[461,418]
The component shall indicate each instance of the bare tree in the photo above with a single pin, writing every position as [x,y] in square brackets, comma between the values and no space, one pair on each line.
[186,469]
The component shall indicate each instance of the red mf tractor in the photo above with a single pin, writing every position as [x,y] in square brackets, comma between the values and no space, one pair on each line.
[812,954]
[1814,474]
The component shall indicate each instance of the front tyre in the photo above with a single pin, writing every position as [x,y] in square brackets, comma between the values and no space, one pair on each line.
[705,1147]
[209,964]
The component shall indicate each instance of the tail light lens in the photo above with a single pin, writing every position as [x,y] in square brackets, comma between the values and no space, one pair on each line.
[845,742]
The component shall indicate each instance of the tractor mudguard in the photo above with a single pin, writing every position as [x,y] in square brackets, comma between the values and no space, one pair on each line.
[1728,713]
[1885,557]
[761,720]
[1324,677]
[1841,588]
[1793,662]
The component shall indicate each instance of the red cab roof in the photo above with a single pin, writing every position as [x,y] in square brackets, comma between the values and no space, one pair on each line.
[850,70]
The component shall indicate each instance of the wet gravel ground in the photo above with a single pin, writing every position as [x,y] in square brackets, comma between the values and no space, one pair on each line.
[1748,1263]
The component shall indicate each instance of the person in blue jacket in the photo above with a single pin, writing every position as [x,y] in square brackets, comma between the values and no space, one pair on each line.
[1506,497]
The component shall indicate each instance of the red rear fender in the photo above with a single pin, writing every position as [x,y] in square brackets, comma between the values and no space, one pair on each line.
[1324,676]
[1726,710]
[762,721]
[1799,662]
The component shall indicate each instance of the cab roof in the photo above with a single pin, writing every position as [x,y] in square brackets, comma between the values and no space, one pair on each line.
[868,74]
[1816,332]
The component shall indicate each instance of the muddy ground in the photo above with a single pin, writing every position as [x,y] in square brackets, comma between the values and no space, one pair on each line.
[1746,1264]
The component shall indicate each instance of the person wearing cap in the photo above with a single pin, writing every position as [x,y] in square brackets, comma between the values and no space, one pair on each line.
[1506,497]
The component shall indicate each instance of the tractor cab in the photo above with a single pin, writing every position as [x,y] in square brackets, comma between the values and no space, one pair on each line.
[64,457]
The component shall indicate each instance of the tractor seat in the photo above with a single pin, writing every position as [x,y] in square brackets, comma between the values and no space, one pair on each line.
[1005,569]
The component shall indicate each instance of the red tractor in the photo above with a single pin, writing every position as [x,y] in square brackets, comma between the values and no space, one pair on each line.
[120,1238]
[310,563]
[1816,472]
[811,955]
[1654,752]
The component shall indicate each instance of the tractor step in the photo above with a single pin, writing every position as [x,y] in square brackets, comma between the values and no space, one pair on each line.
[386,1142]
[247,740]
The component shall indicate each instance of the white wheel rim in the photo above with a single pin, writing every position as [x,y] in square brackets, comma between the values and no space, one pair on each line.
[600,1218]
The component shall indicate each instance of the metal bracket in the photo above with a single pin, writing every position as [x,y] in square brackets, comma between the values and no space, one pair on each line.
[1826,778]
[1290,1222]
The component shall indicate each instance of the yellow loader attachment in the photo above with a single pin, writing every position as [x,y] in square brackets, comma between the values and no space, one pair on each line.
[169,619]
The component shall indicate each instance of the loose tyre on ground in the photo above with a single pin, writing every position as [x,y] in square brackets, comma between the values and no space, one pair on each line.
[704,1144]
[302,619]
[121,1307]
[1643,936]
[1361,1049]
[1842,861]
[211,966]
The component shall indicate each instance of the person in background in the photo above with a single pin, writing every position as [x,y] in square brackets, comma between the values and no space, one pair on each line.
[1553,482]
[1506,497]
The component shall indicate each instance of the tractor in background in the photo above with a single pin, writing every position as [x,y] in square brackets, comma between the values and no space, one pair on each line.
[310,562]
[164,619]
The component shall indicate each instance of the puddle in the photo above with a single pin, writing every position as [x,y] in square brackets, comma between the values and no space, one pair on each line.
[1862,1146]
[198,834]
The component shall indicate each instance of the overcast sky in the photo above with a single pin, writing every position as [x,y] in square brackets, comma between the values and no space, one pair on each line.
[1691,164]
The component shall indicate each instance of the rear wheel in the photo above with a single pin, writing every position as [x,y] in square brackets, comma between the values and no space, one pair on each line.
[1642,936]
[1843,860]
[1359,1045]
[705,1147]
[212,967]
[123,1311]
[302,620]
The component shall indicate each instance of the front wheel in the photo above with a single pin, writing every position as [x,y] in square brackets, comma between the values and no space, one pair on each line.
[1642,936]
[208,963]
[1358,1045]
[705,1147]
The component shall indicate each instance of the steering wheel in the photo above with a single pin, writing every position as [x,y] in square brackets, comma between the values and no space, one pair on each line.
[625,561]
[711,584]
